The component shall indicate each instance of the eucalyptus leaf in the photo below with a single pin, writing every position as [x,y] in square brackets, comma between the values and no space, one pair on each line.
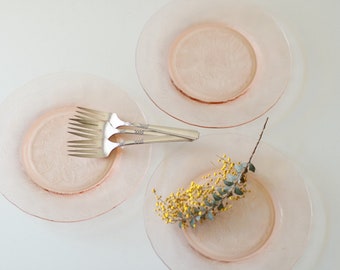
[192,223]
[207,203]
[226,190]
[251,167]
[231,177]
[220,191]
[228,183]
[238,191]
[217,197]
[210,215]
[238,168]
[244,164]
[220,207]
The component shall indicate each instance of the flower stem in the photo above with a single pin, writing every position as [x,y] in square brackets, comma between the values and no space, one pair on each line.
[258,141]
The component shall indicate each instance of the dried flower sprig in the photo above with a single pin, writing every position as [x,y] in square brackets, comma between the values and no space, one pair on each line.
[200,202]
[204,201]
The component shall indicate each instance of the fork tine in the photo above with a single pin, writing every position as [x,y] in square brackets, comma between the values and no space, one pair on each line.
[85,151]
[92,148]
[99,127]
[86,125]
[80,146]
[86,131]
[86,155]
[91,141]
[91,152]
[94,113]
[84,120]
[82,113]
[83,135]
[86,115]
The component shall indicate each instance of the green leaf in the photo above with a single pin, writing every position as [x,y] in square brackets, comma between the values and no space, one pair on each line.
[216,197]
[238,191]
[238,168]
[180,224]
[220,207]
[198,218]
[244,165]
[228,183]
[231,177]
[251,167]
[210,215]
[221,191]
[207,203]
[192,223]
[226,190]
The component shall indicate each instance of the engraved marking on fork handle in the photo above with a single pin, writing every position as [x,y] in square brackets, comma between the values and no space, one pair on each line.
[139,141]
[139,131]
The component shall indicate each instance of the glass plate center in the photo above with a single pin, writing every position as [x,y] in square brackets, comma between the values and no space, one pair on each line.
[46,160]
[239,232]
[212,63]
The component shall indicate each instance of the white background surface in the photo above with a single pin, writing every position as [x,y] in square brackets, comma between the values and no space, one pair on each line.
[99,37]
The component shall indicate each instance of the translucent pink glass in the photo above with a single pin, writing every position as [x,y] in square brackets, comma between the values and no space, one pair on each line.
[242,231]
[37,174]
[45,159]
[213,63]
[269,229]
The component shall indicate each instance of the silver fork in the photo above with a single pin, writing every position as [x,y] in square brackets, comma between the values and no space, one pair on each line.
[95,129]
[101,148]
[89,119]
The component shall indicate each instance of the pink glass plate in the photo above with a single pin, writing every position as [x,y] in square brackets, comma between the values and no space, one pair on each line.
[212,63]
[37,174]
[45,159]
[268,229]
[219,63]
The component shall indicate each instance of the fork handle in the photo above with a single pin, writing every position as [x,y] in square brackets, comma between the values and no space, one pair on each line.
[155,139]
[178,132]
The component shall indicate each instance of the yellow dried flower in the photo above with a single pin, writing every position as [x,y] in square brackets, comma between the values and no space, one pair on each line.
[200,202]
[203,201]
